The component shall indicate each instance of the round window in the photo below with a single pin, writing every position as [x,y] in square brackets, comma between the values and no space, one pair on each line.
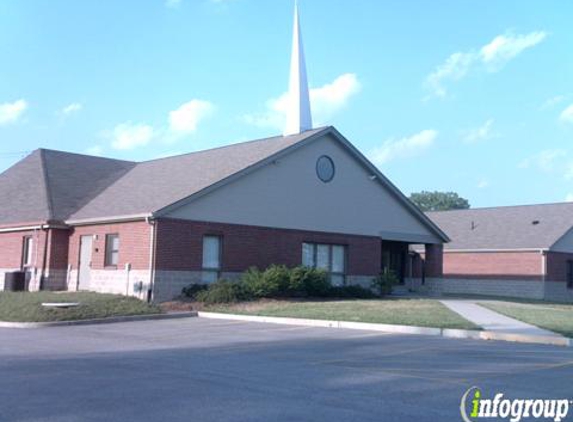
[325,168]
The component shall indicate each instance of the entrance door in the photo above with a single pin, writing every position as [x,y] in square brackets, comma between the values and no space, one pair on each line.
[84,273]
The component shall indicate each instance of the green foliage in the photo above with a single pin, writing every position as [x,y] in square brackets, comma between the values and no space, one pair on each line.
[305,281]
[385,282]
[277,281]
[272,282]
[439,201]
[351,292]
[223,291]
[280,281]
[193,289]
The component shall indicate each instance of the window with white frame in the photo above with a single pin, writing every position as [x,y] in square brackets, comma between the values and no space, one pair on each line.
[111,258]
[28,251]
[211,259]
[331,258]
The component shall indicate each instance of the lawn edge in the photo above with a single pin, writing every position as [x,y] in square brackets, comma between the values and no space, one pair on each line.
[391,328]
[95,321]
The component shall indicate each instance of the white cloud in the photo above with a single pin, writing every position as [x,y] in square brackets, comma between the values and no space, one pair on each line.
[330,98]
[567,115]
[71,108]
[454,68]
[172,4]
[325,101]
[403,148]
[11,112]
[569,197]
[130,135]
[504,48]
[96,150]
[187,117]
[493,56]
[481,133]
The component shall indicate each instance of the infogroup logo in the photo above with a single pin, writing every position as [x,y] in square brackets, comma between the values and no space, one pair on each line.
[474,407]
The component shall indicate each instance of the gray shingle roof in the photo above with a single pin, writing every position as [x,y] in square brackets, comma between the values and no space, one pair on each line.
[23,195]
[510,227]
[54,185]
[64,187]
[50,185]
[153,185]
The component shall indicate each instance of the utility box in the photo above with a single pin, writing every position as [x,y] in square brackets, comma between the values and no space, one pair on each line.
[15,281]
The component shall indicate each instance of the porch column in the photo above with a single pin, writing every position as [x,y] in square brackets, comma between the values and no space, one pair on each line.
[434,260]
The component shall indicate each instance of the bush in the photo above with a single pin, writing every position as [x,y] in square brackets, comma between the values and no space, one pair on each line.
[272,282]
[193,289]
[351,292]
[223,291]
[385,282]
[305,281]
[275,282]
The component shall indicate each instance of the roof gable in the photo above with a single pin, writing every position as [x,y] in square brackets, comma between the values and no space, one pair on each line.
[284,191]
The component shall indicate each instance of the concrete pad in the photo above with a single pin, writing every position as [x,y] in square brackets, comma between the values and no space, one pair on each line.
[493,321]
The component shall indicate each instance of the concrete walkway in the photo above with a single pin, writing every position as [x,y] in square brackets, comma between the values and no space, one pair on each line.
[492,321]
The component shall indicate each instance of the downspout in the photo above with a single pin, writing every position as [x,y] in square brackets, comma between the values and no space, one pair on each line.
[543,271]
[152,256]
[44,259]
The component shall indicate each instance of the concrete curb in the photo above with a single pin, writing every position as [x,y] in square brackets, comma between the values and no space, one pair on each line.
[110,320]
[398,329]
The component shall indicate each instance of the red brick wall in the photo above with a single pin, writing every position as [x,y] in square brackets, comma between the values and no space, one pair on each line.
[557,265]
[134,238]
[180,245]
[494,265]
[11,248]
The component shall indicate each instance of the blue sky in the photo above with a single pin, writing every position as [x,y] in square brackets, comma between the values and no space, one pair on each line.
[470,96]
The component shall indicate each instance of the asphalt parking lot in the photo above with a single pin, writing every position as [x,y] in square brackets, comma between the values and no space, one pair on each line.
[215,370]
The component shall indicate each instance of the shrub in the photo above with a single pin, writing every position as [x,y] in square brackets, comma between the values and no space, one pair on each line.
[276,281]
[305,281]
[193,289]
[385,282]
[351,292]
[223,291]
[273,282]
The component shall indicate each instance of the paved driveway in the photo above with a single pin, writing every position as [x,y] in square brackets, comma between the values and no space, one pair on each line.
[213,370]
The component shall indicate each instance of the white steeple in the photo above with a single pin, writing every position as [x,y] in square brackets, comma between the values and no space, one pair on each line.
[298,116]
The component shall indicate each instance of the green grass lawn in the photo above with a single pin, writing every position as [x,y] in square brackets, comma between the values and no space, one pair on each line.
[553,317]
[27,306]
[418,312]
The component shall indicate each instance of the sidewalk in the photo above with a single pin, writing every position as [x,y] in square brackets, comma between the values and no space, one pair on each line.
[494,322]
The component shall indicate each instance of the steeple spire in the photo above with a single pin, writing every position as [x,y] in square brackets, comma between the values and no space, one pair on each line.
[298,117]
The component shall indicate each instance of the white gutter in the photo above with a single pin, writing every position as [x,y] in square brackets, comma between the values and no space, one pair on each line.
[29,228]
[496,250]
[20,229]
[107,220]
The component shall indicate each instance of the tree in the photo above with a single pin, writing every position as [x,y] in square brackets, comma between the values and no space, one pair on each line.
[439,201]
